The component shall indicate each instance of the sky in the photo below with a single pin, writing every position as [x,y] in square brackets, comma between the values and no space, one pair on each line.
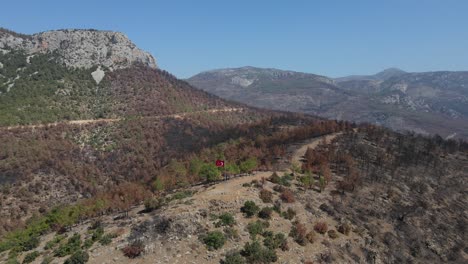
[327,37]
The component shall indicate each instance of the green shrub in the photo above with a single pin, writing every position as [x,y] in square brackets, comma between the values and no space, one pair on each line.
[285,180]
[275,178]
[106,239]
[97,233]
[79,257]
[88,243]
[248,165]
[210,172]
[29,244]
[30,257]
[52,243]
[273,241]
[265,213]
[250,209]
[225,219]
[266,196]
[257,228]
[214,240]
[181,195]
[233,258]
[73,244]
[256,253]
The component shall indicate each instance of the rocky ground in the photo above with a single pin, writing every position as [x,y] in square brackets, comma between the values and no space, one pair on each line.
[376,223]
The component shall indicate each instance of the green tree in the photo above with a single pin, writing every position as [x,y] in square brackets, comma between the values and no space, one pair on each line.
[250,208]
[158,185]
[248,165]
[232,168]
[214,240]
[307,180]
[210,172]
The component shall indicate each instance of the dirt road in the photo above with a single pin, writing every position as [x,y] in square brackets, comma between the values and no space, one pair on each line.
[111,120]
[298,155]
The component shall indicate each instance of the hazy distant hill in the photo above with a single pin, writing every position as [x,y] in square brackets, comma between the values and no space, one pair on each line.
[272,88]
[428,103]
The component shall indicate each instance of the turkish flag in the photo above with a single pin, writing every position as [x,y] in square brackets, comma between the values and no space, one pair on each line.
[219,163]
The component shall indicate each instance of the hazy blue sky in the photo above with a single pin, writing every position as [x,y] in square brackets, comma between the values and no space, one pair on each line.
[326,37]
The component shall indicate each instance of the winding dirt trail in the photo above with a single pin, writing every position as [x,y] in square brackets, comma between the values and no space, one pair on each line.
[111,120]
[231,190]
[298,155]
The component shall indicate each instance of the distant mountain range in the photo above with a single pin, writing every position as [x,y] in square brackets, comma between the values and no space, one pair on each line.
[426,103]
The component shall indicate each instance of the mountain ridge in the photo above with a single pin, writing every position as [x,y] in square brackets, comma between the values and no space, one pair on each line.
[393,98]
[82,48]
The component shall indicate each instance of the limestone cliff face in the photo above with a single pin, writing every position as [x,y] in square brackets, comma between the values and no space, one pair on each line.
[81,48]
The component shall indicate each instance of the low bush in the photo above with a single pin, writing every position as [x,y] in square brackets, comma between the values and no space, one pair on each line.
[250,209]
[344,228]
[265,213]
[257,228]
[275,178]
[52,243]
[28,244]
[225,219]
[152,204]
[256,253]
[79,257]
[133,250]
[181,195]
[73,244]
[106,239]
[287,196]
[231,233]
[97,233]
[30,257]
[88,243]
[289,214]
[298,233]
[332,234]
[311,236]
[321,227]
[274,241]
[214,240]
[266,196]
[233,258]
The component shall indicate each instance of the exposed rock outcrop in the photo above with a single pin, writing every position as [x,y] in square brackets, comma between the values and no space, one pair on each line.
[80,48]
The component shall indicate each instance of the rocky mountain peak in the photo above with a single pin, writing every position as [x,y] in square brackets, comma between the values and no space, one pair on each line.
[80,48]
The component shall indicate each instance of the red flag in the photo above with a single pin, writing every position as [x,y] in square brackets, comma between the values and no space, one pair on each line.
[219,163]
